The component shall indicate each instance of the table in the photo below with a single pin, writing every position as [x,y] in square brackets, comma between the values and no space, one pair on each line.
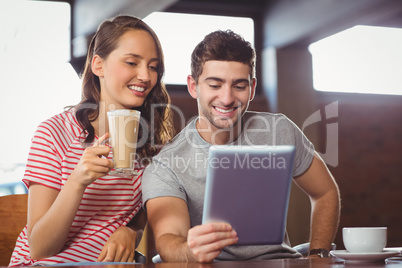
[284,263]
[279,263]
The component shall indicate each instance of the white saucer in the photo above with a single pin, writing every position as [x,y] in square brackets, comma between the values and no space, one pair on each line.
[364,257]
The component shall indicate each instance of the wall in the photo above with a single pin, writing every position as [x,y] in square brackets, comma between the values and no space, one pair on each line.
[296,99]
[370,162]
[369,169]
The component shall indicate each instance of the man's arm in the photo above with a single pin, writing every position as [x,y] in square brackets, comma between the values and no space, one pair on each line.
[176,242]
[323,191]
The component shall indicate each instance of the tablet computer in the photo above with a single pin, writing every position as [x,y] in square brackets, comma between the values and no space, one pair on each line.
[249,187]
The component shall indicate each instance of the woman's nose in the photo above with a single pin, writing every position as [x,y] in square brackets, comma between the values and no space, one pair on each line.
[143,73]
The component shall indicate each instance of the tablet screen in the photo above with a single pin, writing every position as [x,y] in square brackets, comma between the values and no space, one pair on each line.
[248,187]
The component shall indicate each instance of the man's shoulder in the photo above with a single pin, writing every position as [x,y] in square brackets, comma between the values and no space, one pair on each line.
[177,143]
[181,143]
[253,118]
[254,114]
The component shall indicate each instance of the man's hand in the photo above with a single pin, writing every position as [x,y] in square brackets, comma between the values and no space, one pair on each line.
[120,247]
[205,242]
[176,241]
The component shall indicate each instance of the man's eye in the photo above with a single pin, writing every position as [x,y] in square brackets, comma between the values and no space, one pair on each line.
[214,86]
[131,63]
[240,86]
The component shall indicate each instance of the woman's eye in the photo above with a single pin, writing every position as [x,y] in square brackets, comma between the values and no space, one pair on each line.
[131,63]
[154,68]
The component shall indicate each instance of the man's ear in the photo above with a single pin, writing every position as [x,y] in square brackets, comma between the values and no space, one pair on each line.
[192,86]
[97,65]
[253,86]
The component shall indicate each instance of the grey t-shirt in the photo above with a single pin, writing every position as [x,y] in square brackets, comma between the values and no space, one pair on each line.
[179,170]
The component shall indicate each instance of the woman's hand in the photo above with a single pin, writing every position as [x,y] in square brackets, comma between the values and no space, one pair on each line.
[120,247]
[91,165]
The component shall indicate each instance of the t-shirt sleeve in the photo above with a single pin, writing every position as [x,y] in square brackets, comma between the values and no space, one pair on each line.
[43,163]
[159,180]
[304,150]
[287,132]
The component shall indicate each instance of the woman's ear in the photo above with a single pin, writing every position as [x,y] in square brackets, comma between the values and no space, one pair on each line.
[192,86]
[97,65]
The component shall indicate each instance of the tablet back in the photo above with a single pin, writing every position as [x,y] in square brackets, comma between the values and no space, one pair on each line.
[248,187]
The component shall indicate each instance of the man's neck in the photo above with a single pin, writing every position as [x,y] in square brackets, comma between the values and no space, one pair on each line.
[217,136]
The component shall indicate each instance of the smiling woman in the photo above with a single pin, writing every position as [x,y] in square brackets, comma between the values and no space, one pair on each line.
[136,56]
[36,79]
[74,193]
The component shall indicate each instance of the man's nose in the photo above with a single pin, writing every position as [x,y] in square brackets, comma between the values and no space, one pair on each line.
[226,95]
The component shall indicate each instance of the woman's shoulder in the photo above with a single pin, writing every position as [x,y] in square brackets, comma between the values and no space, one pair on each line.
[61,124]
[65,117]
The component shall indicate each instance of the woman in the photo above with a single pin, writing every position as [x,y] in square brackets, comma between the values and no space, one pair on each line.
[74,206]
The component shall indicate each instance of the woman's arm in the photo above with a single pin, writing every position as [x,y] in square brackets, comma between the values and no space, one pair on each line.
[51,213]
[121,245]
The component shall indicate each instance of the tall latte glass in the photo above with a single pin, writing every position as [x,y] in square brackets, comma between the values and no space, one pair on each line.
[123,132]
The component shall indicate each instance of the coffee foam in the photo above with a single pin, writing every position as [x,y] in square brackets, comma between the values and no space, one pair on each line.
[124,112]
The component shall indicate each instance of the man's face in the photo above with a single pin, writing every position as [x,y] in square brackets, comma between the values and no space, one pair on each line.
[223,92]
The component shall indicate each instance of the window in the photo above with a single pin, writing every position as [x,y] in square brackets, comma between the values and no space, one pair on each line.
[362,59]
[180,33]
[36,79]
[38,82]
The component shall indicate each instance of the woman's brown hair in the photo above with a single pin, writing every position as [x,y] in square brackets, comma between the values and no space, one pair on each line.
[157,103]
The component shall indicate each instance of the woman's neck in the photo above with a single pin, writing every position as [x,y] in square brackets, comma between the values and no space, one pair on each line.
[101,123]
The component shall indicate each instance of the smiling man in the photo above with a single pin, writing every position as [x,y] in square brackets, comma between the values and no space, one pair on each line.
[223,91]
[223,82]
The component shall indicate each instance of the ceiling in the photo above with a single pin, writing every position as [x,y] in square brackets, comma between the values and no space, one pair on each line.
[302,22]
[279,23]
[290,21]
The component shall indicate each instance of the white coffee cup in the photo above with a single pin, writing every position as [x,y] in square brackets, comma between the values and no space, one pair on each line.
[364,239]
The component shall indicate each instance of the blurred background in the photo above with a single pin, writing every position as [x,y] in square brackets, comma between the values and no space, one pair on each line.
[332,66]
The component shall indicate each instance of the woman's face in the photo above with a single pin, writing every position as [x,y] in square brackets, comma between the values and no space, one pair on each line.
[130,72]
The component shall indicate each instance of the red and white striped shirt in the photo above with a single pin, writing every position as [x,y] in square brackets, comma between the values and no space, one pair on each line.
[107,204]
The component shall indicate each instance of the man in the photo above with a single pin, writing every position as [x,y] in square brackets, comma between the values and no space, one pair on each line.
[223,82]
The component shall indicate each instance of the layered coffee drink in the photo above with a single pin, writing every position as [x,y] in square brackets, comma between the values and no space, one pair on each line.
[123,132]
